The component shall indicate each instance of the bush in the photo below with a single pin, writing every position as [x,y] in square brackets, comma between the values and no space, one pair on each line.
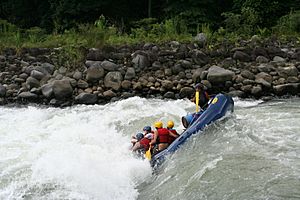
[288,24]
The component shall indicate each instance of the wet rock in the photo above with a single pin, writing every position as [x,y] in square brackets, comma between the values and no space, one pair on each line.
[169,95]
[2,91]
[236,93]
[47,90]
[109,94]
[256,91]
[291,88]
[28,95]
[86,98]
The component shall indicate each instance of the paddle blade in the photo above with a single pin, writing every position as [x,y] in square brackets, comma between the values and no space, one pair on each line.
[197,101]
[148,154]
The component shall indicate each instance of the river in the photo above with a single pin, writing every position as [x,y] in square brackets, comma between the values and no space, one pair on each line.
[81,152]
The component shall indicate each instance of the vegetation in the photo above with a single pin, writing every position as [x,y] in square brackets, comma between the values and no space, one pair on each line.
[70,24]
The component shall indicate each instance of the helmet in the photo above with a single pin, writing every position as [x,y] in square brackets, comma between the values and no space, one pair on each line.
[198,86]
[147,128]
[139,136]
[158,124]
[170,124]
[149,136]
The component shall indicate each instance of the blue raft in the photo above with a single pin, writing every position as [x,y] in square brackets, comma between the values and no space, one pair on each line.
[217,108]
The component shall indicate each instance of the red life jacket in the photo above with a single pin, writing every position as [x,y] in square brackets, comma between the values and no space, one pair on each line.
[145,143]
[163,135]
[171,138]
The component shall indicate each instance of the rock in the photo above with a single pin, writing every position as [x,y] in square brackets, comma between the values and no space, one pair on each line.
[47,90]
[109,66]
[168,72]
[292,79]
[137,86]
[264,76]
[169,95]
[62,89]
[166,84]
[263,82]
[126,84]
[28,95]
[241,56]
[247,74]
[32,82]
[265,68]
[200,39]
[2,91]
[228,62]
[82,84]
[246,88]
[287,71]
[23,76]
[292,88]
[196,77]
[37,75]
[186,92]
[176,69]
[49,68]
[262,59]
[77,75]
[94,73]
[109,94]
[62,70]
[256,91]
[199,57]
[219,75]
[140,60]
[95,54]
[278,59]
[130,73]
[236,93]
[113,80]
[86,98]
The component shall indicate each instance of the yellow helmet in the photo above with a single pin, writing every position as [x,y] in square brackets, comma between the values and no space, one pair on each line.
[170,124]
[158,124]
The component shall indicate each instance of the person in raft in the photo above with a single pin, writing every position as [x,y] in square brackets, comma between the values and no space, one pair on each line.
[161,137]
[139,136]
[143,145]
[170,127]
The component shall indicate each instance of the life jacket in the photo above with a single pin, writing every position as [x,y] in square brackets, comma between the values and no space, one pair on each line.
[163,135]
[171,138]
[145,143]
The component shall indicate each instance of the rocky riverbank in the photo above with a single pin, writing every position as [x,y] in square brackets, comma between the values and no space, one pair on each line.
[253,69]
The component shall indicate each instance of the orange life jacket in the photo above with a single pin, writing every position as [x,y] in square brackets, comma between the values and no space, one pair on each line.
[163,135]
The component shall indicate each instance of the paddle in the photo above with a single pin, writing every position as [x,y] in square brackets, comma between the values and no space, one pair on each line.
[148,153]
[197,101]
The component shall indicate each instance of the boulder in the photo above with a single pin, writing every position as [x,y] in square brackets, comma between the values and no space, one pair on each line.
[263,82]
[241,56]
[47,90]
[94,73]
[130,73]
[247,74]
[82,84]
[109,66]
[86,98]
[169,95]
[77,75]
[200,39]
[37,74]
[287,71]
[219,75]
[2,91]
[140,60]
[113,80]
[126,84]
[186,92]
[291,88]
[278,59]
[27,95]
[199,57]
[166,84]
[46,68]
[32,82]
[196,77]
[109,94]
[236,93]
[264,76]
[62,89]
[262,59]
[256,91]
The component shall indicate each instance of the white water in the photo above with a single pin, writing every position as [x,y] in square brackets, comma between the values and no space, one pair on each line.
[82,153]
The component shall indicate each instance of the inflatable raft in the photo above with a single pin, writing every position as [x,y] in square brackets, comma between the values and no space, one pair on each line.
[217,108]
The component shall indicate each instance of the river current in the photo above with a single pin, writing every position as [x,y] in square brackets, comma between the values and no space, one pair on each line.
[81,152]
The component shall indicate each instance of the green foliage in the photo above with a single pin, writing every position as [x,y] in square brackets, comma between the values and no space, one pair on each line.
[289,24]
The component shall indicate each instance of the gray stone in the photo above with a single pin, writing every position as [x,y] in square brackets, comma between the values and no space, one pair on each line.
[37,74]
[109,66]
[48,67]
[177,68]
[62,89]
[262,59]
[82,84]
[47,90]
[169,95]
[287,71]
[27,95]
[2,91]
[292,79]
[278,59]
[23,76]
[126,84]
[236,93]
[86,98]
[265,68]
[292,88]
[199,57]
[219,75]
[241,56]
[77,75]
[228,62]
[196,77]
[109,94]
[62,70]
[186,92]
[113,80]
[168,72]
[247,74]
[32,82]
[130,73]
[256,91]
[248,82]
[140,61]
[94,73]
[200,39]
[264,76]
[166,84]
[263,82]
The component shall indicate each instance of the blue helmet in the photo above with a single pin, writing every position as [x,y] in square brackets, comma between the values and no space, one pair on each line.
[147,128]
[139,136]
[186,120]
